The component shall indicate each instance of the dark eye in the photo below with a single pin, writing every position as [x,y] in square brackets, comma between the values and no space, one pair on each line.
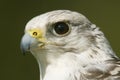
[61,28]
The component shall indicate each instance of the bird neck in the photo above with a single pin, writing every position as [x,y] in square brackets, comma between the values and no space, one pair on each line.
[60,68]
[41,60]
[42,65]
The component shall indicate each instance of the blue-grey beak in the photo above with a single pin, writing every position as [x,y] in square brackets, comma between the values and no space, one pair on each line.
[26,43]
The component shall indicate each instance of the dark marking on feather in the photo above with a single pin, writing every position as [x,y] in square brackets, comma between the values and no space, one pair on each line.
[91,56]
[94,51]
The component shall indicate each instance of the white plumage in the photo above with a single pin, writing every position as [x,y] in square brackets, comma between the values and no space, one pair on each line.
[67,46]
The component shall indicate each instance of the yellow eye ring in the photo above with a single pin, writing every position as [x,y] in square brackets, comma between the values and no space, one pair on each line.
[35,33]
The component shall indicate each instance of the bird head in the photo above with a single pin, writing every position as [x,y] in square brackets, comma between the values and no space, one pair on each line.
[59,31]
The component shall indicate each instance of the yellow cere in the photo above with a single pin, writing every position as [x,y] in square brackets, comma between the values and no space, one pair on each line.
[37,33]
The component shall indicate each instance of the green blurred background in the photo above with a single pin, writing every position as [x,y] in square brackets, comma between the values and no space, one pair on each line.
[14,14]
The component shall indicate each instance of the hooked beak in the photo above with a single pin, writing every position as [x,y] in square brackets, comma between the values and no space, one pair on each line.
[26,42]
